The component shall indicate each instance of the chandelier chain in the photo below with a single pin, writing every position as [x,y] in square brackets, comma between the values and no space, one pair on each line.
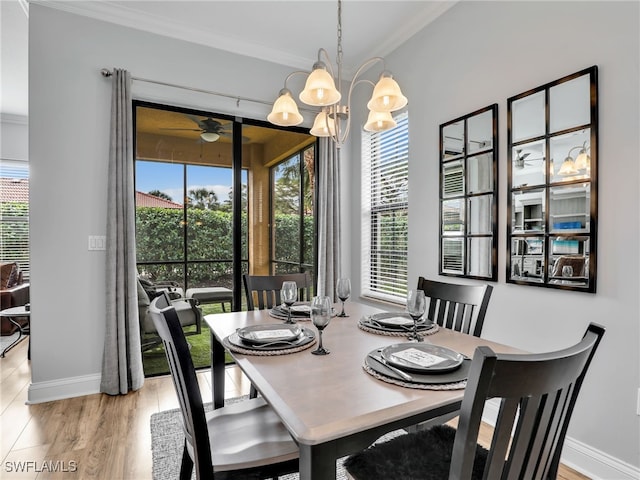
[339,52]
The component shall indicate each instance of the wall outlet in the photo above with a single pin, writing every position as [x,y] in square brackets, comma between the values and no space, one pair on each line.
[97,242]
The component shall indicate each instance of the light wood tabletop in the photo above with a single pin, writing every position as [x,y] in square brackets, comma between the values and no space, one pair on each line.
[329,404]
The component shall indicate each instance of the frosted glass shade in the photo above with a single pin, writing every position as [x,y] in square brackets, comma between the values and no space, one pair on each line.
[323,126]
[387,96]
[209,136]
[568,167]
[285,111]
[379,121]
[583,161]
[320,89]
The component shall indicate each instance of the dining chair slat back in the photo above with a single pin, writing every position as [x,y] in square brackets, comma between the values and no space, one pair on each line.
[263,291]
[537,395]
[457,307]
[253,441]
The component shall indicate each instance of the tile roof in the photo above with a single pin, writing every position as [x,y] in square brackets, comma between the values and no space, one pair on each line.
[146,200]
[14,190]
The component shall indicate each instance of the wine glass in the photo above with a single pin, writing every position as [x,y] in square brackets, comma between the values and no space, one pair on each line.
[289,294]
[416,306]
[320,316]
[343,290]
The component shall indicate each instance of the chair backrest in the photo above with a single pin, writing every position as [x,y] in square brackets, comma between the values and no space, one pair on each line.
[537,395]
[263,291]
[458,307]
[185,381]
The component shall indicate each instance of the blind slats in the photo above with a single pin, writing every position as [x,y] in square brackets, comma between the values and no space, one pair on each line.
[385,157]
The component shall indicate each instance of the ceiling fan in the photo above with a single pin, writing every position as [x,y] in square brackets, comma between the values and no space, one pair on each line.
[210,130]
[520,162]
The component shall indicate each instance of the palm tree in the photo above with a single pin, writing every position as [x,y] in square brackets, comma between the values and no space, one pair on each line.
[203,199]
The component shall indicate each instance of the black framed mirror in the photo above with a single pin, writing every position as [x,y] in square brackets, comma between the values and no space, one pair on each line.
[552,169]
[469,195]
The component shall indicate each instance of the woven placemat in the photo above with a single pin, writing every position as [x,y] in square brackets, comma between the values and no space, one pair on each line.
[396,333]
[245,351]
[296,318]
[420,386]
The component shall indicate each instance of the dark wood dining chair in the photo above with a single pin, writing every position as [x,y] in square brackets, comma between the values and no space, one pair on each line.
[263,291]
[537,394]
[239,441]
[458,307]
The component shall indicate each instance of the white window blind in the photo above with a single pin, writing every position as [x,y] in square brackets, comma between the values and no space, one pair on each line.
[14,214]
[385,170]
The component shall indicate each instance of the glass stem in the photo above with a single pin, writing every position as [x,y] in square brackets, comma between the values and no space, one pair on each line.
[320,340]
[342,313]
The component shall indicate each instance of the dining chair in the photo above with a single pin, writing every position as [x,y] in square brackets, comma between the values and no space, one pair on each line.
[536,394]
[458,307]
[239,441]
[263,291]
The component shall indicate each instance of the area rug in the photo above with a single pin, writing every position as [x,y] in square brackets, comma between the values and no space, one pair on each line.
[167,441]
[7,340]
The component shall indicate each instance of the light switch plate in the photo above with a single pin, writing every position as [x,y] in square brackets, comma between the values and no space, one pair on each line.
[97,242]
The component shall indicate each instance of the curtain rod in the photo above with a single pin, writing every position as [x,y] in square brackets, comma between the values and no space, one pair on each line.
[108,73]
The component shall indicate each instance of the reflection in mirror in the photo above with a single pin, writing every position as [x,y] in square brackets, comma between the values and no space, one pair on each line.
[527,258]
[552,203]
[468,192]
[569,104]
[573,150]
[479,262]
[480,173]
[528,164]
[452,255]
[452,217]
[528,117]
[480,133]
[569,260]
[480,217]
[528,211]
[453,179]
[569,209]
[452,141]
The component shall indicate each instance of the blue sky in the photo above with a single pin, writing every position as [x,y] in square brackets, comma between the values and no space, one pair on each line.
[168,178]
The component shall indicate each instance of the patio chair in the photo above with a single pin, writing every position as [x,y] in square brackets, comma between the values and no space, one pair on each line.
[537,394]
[239,441]
[187,310]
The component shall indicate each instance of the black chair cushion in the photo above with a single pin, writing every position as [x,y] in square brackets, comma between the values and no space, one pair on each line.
[423,455]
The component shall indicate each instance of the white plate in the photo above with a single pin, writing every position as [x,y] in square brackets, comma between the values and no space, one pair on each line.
[258,334]
[393,319]
[422,357]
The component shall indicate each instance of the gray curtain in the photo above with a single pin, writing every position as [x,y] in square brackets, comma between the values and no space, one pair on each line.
[329,241]
[122,358]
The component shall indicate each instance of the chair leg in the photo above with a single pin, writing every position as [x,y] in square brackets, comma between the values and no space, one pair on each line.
[186,468]
[253,393]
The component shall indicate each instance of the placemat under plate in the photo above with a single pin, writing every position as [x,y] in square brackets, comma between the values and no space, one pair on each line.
[455,380]
[362,325]
[236,345]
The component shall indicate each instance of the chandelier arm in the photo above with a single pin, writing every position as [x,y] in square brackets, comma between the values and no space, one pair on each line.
[297,72]
[327,60]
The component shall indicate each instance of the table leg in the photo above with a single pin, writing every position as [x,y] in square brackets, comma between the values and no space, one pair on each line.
[17,340]
[317,462]
[217,372]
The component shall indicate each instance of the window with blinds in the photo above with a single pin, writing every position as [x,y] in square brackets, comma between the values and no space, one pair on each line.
[385,170]
[14,214]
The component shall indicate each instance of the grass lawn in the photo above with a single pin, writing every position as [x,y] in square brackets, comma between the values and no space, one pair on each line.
[155,362]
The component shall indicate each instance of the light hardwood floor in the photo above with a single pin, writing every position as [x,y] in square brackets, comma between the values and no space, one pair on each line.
[98,436]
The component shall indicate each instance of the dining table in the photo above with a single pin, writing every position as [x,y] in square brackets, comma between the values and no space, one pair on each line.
[335,405]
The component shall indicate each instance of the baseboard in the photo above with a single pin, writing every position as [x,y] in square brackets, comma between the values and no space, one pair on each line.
[48,391]
[583,458]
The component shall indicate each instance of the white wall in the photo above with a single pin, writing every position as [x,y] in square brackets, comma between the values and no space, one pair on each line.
[480,53]
[14,137]
[476,54]
[69,143]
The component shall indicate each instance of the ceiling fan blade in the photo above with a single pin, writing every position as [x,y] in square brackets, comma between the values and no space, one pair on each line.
[184,129]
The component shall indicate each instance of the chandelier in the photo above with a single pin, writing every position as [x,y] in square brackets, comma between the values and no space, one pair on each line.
[334,119]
